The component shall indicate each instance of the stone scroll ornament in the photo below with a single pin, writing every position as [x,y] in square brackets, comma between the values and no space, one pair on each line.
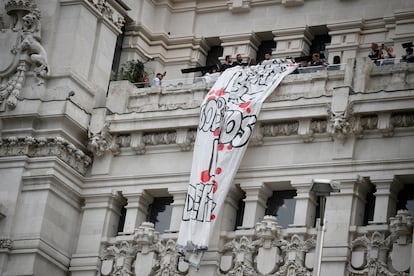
[20,50]
[228,115]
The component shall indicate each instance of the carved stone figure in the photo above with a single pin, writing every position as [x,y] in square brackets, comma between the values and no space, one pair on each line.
[103,141]
[20,51]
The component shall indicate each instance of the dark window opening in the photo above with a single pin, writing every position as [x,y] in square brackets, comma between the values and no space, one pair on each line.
[213,56]
[317,211]
[267,46]
[159,213]
[240,212]
[320,41]
[282,205]
[406,199]
[117,55]
[121,222]
[369,207]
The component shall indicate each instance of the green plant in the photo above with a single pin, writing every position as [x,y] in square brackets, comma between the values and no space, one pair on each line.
[133,71]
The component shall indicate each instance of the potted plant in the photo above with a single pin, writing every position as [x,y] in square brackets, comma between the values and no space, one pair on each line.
[134,72]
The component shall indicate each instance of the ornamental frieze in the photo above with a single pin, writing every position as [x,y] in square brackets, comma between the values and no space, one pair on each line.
[43,147]
[108,12]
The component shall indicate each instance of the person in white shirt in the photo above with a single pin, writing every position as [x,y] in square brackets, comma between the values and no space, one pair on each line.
[157,80]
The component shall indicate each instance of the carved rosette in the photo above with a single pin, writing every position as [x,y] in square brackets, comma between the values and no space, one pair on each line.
[42,146]
[6,243]
[21,51]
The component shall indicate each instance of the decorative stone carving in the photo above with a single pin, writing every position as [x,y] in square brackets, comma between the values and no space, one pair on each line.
[21,51]
[241,258]
[42,146]
[273,255]
[257,136]
[402,120]
[117,259]
[280,129]
[269,256]
[137,143]
[144,252]
[295,252]
[103,141]
[364,123]
[378,254]
[341,124]
[107,12]
[185,138]
[160,138]
[6,243]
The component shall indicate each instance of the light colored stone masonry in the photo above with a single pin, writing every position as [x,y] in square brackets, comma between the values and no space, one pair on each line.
[75,148]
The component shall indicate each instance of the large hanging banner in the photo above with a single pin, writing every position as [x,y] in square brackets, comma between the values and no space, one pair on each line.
[227,116]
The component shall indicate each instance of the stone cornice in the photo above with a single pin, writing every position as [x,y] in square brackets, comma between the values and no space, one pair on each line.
[43,147]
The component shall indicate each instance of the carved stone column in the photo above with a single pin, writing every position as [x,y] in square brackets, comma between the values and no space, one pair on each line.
[137,209]
[255,202]
[99,221]
[385,199]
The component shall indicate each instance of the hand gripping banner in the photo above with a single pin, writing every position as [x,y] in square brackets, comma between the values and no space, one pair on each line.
[227,117]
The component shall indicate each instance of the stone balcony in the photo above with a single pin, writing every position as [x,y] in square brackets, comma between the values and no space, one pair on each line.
[302,99]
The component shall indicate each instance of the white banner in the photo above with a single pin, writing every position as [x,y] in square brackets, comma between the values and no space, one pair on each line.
[227,117]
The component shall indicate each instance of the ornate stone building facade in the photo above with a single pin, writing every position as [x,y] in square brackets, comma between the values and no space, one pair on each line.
[94,172]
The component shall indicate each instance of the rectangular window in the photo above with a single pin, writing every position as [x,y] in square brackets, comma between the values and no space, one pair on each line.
[159,213]
[282,205]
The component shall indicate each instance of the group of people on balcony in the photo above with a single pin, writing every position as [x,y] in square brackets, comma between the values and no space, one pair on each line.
[385,52]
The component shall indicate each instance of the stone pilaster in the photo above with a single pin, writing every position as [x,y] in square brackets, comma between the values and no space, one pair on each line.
[386,197]
[293,42]
[257,194]
[344,39]
[179,197]
[305,210]
[137,209]
[100,220]
[244,44]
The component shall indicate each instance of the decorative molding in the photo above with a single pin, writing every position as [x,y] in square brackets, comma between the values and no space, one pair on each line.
[44,146]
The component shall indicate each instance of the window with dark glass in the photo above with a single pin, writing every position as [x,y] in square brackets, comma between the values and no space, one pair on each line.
[240,211]
[159,213]
[213,56]
[406,199]
[282,205]
[266,46]
[121,222]
[321,39]
[369,206]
